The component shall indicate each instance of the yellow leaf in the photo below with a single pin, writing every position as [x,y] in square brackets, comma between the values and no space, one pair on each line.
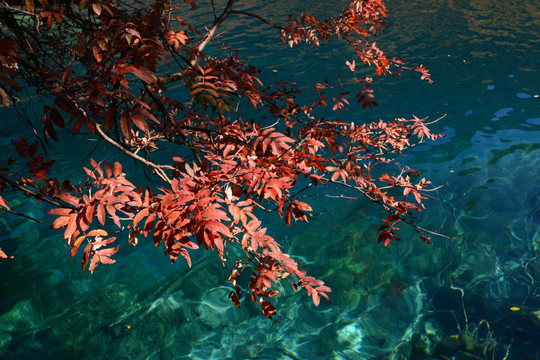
[78,241]
[97,232]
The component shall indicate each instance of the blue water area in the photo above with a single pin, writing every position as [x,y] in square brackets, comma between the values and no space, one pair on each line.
[473,294]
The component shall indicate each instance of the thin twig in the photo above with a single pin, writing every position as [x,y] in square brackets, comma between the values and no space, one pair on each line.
[22,215]
[158,169]
[240,12]
[35,195]
[436,233]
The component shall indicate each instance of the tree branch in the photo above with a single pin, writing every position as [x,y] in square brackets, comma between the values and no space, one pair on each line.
[29,192]
[240,12]
[22,215]
[168,119]
[158,169]
[163,80]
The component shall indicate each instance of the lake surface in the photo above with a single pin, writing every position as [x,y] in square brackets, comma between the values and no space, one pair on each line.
[475,296]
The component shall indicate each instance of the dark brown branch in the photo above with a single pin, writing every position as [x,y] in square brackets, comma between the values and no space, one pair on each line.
[22,215]
[35,195]
[214,9]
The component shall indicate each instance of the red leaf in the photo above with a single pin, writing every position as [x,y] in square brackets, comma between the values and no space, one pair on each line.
[77,126]
[60,222]
[70,199]
[235,299]
[214,213]
[144,74]
[59,211]
[140,215]
[5,98]
[4,256]
[109,251]
[139,121]
[270,293]
[49,130]
[149,224]
[96,167]
[302,205]
[106,260]
[97,232]
[3,202]
[57,118]
[97,8]
[71,227]
[117,169]
[316,298]
[108,168]
[108,121]
[89,173]
[288,215]
[268,309]
[125,125]
[76,244]
[93,263]
[186,256]
[216,226]
[84,260]
[99,243]
[101,214]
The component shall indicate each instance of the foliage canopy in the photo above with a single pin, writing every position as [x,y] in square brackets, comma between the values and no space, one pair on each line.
[104,68]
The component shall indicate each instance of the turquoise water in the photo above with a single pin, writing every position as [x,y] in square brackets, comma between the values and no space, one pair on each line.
[475,296]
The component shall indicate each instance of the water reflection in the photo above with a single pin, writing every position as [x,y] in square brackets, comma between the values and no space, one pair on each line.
[502,21]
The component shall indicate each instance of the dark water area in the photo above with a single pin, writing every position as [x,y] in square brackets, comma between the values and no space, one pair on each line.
[474,296]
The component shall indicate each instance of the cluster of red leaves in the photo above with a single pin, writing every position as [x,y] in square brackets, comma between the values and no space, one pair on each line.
[108,76]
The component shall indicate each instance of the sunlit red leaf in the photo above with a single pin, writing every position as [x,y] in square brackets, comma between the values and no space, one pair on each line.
[140,215]
[117,169]
[5,98]
[93,263]
[108,168]
[4,256]
[76,244]
[3,203]
[97,8]
[101,214]
[106,260]
[108,252]
[71,226]
[97,232]
[60,222]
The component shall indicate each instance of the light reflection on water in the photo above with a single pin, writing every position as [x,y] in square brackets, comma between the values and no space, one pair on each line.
[475,295]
